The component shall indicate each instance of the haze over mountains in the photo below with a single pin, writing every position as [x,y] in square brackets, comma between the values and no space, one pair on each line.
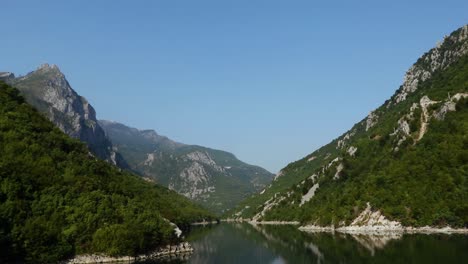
[213,178]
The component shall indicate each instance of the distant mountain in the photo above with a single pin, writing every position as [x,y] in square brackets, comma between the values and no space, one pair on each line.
[214,178]
[48,90]
[406,162]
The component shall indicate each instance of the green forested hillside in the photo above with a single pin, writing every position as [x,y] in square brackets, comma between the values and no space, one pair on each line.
[408,158]
[215,179]
[57,200]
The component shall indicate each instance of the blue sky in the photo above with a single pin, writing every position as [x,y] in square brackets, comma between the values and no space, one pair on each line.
[269,81]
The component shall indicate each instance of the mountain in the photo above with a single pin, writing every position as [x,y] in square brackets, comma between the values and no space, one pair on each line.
[213,178]
[57,200]
[48,90]
[405,164]
[6,76]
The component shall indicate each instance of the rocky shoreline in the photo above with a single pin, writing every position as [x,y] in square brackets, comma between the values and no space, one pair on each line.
[170,251]
[204,223]
[380,229]
[374,222]
[253,222]
[368,222]
[274,222]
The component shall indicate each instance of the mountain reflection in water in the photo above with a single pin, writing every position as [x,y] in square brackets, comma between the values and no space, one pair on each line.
[245,243]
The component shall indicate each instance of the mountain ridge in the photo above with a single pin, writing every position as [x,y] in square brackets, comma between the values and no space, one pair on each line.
[47,89]
[333,184]
[214,178]
[188,169]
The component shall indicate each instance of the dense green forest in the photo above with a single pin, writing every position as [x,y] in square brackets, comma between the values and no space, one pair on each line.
[58,200]
[416,179]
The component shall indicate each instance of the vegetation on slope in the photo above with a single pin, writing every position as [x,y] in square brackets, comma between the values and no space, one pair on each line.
[418,182]
[57,200]
[220,182]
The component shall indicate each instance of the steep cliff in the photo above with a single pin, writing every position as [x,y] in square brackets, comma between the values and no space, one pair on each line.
[48,90]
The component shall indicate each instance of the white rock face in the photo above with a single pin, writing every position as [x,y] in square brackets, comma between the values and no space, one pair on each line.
[275,200]
[279,174]
[6,76]
[352,151]
[402,127]
[339,169]
[371,221]
[149,160]
[49,91]
[437,59]
[309,195]
[344,141]
[177,231]
[331,163]
[371,120]
[205,158]
[403,131]
[449,105]
[195,181]
[425,102]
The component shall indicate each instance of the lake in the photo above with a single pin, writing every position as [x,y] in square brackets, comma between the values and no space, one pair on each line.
[244,243]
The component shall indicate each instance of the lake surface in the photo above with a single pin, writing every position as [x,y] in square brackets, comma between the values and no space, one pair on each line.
[244,243]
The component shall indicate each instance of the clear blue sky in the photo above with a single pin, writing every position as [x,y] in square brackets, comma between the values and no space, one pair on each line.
[269,81]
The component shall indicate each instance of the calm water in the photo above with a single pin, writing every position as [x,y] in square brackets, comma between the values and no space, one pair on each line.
[244,243]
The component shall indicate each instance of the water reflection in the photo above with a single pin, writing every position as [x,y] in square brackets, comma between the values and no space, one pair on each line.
[229,243]
[373,242]
[244,243]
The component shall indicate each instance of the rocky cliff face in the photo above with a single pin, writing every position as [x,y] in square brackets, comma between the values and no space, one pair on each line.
[48,90]
[439,58]
[214,178]
[6,76]
[407,158]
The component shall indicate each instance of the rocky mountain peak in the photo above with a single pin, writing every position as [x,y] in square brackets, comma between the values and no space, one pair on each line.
[443,55]
[48,90]
[6,76]
[46,66]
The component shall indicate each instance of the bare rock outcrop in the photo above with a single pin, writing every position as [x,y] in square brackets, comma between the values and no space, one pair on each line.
[436,59]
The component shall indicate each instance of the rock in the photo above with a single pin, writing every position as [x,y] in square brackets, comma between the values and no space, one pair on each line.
[6,76]
[309,195]
[339,169]
[436,59]
[48,90]
[351,151]
[425,102]
[344,140]
[371,120]
[449,106]
[196,172]
[279,174]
